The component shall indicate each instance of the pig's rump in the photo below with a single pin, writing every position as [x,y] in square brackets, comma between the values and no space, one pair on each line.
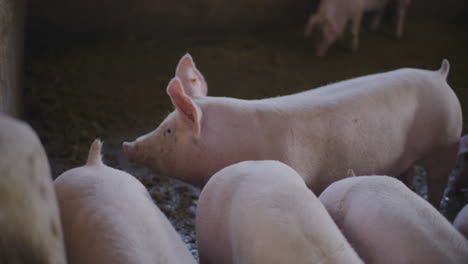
[109,217]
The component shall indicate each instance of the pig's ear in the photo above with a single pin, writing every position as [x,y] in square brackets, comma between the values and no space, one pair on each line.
[191,77]
[184,104]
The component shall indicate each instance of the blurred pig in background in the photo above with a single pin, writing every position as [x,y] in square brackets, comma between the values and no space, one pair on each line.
[333,17]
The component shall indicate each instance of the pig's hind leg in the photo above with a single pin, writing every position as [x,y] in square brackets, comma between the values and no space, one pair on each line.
[401,14]
[438,164]
[408,176]
[461,177]
[355,28]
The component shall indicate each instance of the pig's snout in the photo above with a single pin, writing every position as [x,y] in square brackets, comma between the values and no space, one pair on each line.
[130,150]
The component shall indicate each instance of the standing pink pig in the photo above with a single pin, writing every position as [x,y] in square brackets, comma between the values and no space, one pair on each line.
[377,124]
[109,217]
[333,16]
[388,223]
[262,212]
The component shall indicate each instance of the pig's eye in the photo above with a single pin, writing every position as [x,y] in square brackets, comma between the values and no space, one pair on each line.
[194,81]
[169,131]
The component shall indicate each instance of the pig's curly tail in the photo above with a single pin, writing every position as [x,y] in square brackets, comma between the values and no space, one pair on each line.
[94,156]
[444,68]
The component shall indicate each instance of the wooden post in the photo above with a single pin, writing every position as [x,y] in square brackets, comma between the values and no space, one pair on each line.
[12,14]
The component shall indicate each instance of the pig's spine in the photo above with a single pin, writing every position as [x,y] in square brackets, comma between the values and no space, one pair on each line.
[444,68]
[94,156]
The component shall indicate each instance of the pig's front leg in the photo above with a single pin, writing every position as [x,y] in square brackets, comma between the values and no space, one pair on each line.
[329,36]
[401,14]
[438,165]
[355,27]
[310,25]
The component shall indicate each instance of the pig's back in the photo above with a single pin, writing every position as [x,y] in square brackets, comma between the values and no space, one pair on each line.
[401,82]
[262,212]
[109,217]
[398,227]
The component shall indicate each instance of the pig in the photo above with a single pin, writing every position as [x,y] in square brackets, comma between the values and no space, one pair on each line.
[30,228]
[377,124]
[388,223]
[262,212]
[108,216]
[461,221]
[333,16]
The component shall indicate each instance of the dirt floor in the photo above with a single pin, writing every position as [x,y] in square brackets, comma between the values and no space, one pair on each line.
[114,90]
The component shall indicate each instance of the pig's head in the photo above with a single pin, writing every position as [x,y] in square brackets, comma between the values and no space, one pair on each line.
[173,148]
[192,80]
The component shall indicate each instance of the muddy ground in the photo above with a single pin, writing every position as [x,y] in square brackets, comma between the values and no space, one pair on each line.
[80,89]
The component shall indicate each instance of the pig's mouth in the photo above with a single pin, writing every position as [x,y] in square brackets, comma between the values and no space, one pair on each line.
[131,151]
